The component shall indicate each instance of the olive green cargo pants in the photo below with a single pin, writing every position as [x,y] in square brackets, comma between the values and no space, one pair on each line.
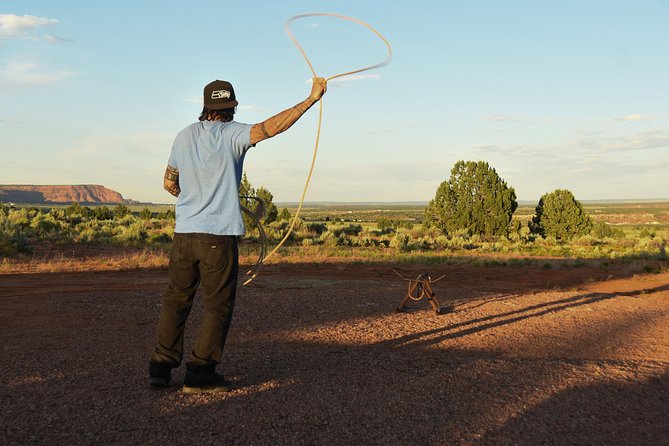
[211,260]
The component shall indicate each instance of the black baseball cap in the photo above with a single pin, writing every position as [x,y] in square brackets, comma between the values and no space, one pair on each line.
[219,95]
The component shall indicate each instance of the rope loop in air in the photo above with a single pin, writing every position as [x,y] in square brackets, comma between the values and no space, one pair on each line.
[254,271]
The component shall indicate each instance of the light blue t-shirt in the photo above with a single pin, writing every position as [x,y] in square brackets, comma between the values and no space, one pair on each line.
[209,156]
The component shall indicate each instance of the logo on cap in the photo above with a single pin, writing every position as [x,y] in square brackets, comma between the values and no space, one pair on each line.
[220,94]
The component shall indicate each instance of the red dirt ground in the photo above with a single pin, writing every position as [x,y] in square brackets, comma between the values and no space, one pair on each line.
[319,356]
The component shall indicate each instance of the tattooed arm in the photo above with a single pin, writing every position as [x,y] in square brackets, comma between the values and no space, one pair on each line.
[171,181]
[284,120]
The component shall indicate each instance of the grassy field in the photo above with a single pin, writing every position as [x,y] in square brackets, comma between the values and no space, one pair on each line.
[345,231]
[654,215]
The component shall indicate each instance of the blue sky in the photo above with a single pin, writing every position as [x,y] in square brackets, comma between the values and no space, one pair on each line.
[570,94]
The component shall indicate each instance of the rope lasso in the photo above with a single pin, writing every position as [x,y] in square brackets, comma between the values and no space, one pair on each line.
[256,269]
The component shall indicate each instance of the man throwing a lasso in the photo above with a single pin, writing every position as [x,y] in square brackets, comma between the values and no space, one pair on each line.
[204,172]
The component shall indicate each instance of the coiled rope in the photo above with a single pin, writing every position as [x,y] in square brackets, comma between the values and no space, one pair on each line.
[256,269]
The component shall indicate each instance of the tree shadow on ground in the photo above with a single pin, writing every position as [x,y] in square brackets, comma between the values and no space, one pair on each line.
[620,413]
[477,325]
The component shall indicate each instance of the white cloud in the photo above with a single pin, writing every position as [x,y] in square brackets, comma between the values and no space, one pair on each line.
[55,39]
[652,139]
[503,118]
[13,26]
[636,117]
[194,99]
[343,81]
[251,108]
[29,73]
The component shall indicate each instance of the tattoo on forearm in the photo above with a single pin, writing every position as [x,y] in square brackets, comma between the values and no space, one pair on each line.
[174,190]
[172,181]
[171,173]
[281,122]
[263,129]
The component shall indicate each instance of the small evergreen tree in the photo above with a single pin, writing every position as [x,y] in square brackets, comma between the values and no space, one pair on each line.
[271,212]
[560,215]
[76,209]
[121,211]
[145,214]
[475,199]
[248,193]
[284,215]
[103,213]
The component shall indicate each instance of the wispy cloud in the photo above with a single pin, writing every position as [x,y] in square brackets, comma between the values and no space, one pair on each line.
[652,139]
[344,81]
[504,118]
[56,39]
[194,99]
[523,151]
[251,108]
[13,26]
[30,73]
[636,117]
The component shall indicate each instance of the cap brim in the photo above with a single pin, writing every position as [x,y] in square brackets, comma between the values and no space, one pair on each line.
[222,105]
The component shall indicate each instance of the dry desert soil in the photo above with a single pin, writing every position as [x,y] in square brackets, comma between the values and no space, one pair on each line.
[530,355]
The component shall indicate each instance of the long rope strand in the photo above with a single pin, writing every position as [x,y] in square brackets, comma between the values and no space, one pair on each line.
[254,271]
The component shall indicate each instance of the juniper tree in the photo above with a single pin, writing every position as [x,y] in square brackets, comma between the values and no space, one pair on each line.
[247,194]
[474,199]
[560,215]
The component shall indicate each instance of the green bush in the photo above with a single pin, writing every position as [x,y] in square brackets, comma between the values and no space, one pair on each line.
[350,230]
[560,215]
[316,228]
[145,214]
[603,230]
[475,199]
[400,242]
[120,211]
[103,213]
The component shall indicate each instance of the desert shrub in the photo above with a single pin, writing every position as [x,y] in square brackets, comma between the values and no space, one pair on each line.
[145,214]
[120,211]
[424,244]
[560,215]
[316,228]
[602,230]
[18,218]
[441,242]
[168,215]
[388,225]
[8,247]
[474,199]
[45,226]
[646,233]
[102,213]
[364,241]
[400,242]
[160,238]
[77,210]
[350,230]
[328,238]
[133,234]
[284,215]
[589,240]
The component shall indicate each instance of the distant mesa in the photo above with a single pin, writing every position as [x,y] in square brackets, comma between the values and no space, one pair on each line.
[81,193]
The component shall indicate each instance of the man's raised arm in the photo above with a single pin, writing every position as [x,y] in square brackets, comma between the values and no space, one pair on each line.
[284,120]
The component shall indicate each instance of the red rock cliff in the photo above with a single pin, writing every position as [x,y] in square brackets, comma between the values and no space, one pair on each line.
[82,193]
